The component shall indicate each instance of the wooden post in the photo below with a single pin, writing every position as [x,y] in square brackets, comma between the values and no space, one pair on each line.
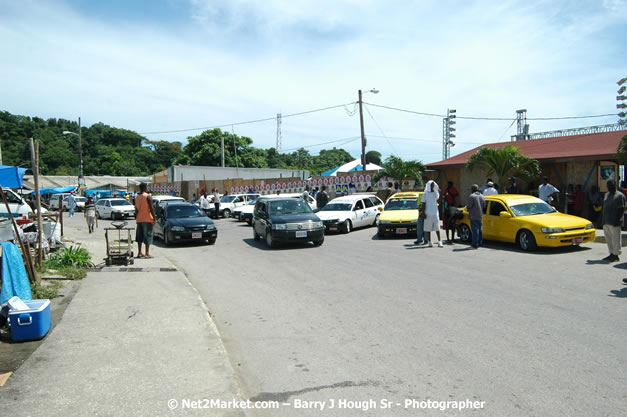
[34,154]
[30,269]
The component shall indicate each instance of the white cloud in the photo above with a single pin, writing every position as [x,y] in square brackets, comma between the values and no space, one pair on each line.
[245,60]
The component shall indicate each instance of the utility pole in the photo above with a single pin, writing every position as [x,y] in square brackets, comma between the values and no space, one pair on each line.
[81,177]
[522,128]
[621,101]
[448,132]
[363,134]
[278,133]
[222,146]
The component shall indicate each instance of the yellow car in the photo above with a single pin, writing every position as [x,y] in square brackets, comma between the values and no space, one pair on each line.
[528,221]
[400,214]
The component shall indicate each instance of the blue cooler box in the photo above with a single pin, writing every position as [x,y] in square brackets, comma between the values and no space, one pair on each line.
[31,324]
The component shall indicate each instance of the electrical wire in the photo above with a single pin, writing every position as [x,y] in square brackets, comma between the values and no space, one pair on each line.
[382,132]
[344,140]
[267,119]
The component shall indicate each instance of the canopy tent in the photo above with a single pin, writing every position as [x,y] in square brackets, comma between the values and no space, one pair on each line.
[12,177]
[351,167]
[56,190]
[105,193]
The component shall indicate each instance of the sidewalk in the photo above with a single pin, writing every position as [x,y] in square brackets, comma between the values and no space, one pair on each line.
[128,343]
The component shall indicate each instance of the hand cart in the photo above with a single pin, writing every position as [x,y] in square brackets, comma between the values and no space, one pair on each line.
[119,244]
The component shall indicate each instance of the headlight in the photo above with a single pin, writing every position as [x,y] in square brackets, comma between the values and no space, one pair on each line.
[552,230]
[281,226]
[385,222]
[316,224]
[177,229]
[210,227]
[589,226]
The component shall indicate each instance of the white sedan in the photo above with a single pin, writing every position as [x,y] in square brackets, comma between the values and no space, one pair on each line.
[114,208]
[351,211]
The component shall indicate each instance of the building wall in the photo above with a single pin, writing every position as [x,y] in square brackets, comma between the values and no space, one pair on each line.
[198,173]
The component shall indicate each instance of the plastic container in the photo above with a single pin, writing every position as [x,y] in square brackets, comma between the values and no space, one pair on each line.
[31,324]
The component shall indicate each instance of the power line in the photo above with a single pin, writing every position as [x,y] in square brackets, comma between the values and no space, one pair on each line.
[267,119]
[382,132]
[344,140]
[425,140]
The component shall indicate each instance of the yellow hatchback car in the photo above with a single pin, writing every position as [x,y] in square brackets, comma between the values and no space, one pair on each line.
[400,214]
[529,222]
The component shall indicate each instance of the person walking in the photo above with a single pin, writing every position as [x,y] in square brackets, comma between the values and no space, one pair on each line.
[322,198]
[145,220]
[430,197]
[613,213]
[71,202]
[90,214]
[546,191]
[475,205]
[216,203]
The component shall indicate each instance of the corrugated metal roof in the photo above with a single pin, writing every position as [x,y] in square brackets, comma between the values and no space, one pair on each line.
[589,146]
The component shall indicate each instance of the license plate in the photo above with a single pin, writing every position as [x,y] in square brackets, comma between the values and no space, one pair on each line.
[301,233]
[577,240]
[401,231]
[333,229]
[196,235]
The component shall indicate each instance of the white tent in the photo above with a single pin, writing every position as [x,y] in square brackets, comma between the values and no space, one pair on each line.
[351,166]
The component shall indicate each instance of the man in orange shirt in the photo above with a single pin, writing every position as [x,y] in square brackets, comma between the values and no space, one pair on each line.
[145,219]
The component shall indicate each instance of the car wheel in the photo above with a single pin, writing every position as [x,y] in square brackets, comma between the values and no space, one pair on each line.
[269,240]
[226,213]
[348,226]
[380,234]
[464,233]
[526,240]
[376,219]
[98,215]
[318,242]
[255,235]
[166,239]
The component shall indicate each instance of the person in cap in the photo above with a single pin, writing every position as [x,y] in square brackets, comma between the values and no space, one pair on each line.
[490,190]
[613,213]
[512,187]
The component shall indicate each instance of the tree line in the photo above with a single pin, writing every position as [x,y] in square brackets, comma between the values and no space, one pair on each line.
[116,151]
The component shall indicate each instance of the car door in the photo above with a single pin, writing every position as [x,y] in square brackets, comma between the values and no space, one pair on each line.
[494,226]
[160,221]
[370,212]
[358,213]
[260,221]
[107,209]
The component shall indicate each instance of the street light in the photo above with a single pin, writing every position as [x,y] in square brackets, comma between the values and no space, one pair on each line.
[81,178]
[621,98]
[363,133]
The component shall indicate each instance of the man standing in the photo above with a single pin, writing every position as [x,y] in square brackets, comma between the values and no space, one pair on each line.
[613,212]
[322,198]
[204,203]
[430,197]
[389,192]
[475,205]
[216,203]
[490,190]
[546,191]
[512,188]
[71,202]
[145,220]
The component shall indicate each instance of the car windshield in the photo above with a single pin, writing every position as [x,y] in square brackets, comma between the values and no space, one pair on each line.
[288,207]
[120,203]
[402,204]
[177,212]
[80,199]
[337,207]
[529,209]
[252,203]
[227,199]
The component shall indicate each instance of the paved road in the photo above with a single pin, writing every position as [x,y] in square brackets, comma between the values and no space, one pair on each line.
[359,319]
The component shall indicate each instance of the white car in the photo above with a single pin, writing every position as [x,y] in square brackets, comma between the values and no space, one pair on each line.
[230,202]
[158,200]
[54,201]
[114,208]
[351,211]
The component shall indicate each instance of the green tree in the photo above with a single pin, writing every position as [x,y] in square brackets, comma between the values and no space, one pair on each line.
[373,157]
[504,162]
[400,170]
[330,158]
[621,151]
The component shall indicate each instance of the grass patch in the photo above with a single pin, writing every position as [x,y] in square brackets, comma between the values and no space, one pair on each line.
[71,263]
[43,291]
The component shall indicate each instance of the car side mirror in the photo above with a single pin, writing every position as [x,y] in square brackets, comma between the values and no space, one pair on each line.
[380,208]
[504,214]
[316,210]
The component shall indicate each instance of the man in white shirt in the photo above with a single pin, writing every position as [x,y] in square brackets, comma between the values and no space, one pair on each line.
[546,191]
[204,203]
[490,190]
[430,199]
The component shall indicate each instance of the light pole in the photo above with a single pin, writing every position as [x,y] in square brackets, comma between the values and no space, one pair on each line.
[448,132]
[81,178]
[621,101]
[363,133]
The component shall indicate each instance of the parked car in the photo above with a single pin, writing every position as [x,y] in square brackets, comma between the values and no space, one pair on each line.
[158,200]
[529,222]
[245,213]
[54,201]
[248,208]
[114,208]
[79,201]
[18,206]
[355,210]
[400,214]
[286,220]
[179,222]
[230,202]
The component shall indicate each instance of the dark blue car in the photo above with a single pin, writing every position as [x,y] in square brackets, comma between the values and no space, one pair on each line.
[184,222]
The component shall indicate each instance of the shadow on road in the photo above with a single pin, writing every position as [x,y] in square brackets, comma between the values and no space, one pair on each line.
[622,293]
[596,262]
[260,244]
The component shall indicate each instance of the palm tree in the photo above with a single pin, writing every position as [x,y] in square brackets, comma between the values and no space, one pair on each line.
[505,162]
[400,170]
[622,150]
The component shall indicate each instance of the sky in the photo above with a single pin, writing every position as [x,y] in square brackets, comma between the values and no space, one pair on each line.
[168,69]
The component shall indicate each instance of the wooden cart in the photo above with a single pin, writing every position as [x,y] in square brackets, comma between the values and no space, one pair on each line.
[119,244]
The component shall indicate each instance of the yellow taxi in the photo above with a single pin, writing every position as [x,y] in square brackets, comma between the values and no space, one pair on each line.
[529,222]
[400,214]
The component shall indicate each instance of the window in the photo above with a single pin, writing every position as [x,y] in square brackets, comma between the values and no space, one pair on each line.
[368,203]
[375,201]
[496,208]
[359,205]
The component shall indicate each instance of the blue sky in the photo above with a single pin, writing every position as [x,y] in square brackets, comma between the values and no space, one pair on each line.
[167,65]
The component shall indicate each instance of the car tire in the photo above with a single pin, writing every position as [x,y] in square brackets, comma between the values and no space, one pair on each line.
[380,234]
[348,226]
[98,215]
[464,233]
[255,235]
[269,241]
[166,239]
[376,220]
[526,240]
[226,213]
[318,242]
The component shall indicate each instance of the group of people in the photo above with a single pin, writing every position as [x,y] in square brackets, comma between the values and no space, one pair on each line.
[207,200]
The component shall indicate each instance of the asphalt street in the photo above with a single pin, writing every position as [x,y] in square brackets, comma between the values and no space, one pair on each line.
[360,321]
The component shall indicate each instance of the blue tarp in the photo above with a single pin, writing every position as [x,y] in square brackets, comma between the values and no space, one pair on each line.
[329,172]
[57,190]
[11,177]
[104,193]
[14,278]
